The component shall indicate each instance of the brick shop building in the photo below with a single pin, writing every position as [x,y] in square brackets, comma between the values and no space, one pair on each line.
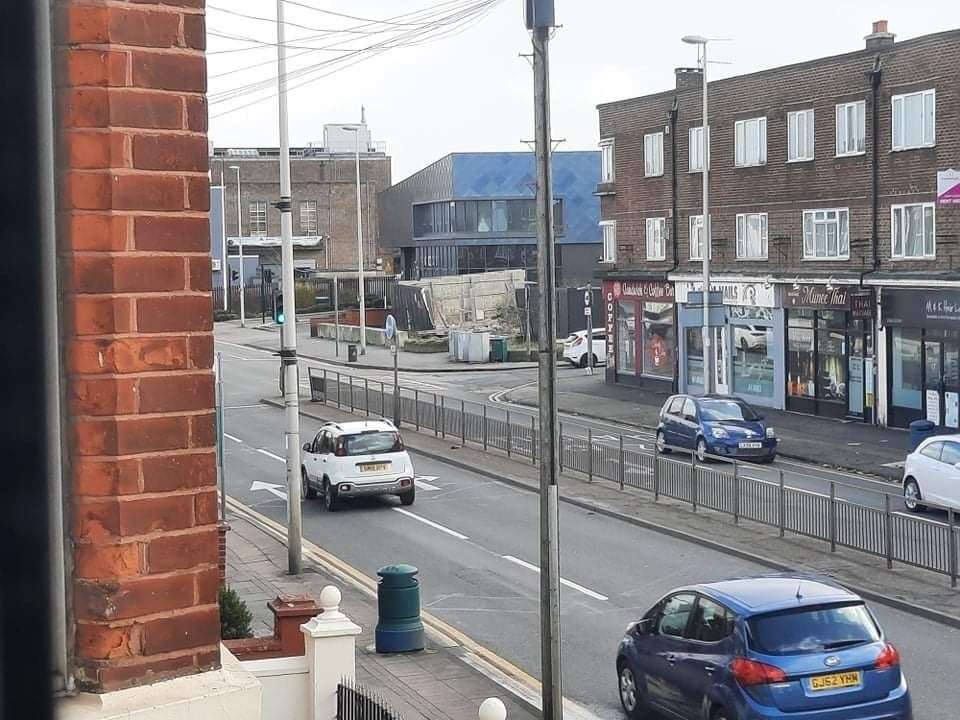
[835,254]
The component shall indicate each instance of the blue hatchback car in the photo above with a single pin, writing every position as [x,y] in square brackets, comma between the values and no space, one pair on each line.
[758,649]
[719,425]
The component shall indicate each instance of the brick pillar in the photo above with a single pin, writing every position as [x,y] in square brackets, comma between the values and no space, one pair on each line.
[138,342]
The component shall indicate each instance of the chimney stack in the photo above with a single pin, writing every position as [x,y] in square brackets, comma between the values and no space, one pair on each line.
[688,78]
[881,38]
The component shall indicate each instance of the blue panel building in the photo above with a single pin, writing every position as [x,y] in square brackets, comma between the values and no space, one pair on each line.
[475,212]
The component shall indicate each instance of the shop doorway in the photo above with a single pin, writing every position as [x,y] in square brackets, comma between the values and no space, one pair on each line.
[721,343]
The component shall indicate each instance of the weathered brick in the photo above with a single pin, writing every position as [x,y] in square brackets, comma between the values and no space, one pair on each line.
[94,478]
[197,113]
[194,32]
[140,671]
[201,351]
[118,274]
[175,313]
[167,473]
[136,27]
[98,561]
[89,190]
[97,231]
[198,193]
[139,516]
[95,437]
[172,234]
[203,430]
[208,585]
[201,274]
[94,150]
[102,642]
[187,630]
[84,107]
[106,396]
[187,153]
[101,315]
[151,434]
[96,67]
[86,24]
[168,393]
[182,551]
[164,71]
[206,507]
[128,355]
[97,519]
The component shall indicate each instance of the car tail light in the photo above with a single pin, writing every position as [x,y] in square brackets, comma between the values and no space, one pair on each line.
[888,658]
[405,482]
[341,449]
[750,672]
[578,341]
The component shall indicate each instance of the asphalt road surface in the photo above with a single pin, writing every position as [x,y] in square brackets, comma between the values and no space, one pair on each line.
[475,542]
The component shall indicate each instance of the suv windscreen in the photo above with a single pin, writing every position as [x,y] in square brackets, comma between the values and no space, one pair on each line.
[720,410]
[372,443]
[813,629]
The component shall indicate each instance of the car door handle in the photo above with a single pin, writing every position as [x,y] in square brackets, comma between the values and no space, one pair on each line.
[710,668]
[671,658]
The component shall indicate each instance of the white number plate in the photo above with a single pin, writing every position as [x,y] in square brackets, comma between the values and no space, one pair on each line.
[750,445]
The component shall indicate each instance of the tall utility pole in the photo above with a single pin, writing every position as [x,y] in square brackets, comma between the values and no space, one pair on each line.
[288,346]
[243,316]
[540,19]
[224,264]
[361,292]
[708,351]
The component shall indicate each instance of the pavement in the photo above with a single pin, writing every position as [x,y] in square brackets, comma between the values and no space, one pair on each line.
[473,534]
[377,357]
[854,446]
[434,684]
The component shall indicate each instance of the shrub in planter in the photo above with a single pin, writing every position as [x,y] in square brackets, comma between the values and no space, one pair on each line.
[234,616]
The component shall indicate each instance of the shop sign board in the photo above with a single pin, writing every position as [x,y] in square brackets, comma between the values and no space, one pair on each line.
[734,293]
[652,290]
[922,308]
[948,187]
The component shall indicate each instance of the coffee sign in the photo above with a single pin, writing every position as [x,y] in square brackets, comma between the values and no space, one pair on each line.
[654,290]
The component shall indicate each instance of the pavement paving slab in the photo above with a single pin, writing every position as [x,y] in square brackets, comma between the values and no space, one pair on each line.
[434,684]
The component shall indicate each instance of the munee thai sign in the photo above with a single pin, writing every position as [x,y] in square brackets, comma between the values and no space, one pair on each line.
[817,297]
[922,308]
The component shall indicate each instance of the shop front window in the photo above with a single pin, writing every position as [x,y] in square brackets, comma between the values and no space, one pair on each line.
[695,356]
[907,369]
[832,365]
[658,339]
[626,338]
[753,368]
[801,372]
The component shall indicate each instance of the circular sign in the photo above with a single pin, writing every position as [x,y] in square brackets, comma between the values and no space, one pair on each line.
[587,297]
[390,328]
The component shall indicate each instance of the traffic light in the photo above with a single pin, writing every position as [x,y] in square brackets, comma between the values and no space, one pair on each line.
[278,308]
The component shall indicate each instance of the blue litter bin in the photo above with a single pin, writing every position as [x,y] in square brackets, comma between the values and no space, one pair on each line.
[399,628]
[920,430]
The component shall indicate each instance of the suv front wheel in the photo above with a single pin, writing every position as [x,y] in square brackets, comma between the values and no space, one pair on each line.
[330,501]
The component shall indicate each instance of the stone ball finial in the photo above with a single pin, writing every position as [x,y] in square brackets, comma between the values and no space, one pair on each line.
[330,598]
[492,709]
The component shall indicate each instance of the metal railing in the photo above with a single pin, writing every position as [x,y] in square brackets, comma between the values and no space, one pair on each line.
[723,486]
[355,702]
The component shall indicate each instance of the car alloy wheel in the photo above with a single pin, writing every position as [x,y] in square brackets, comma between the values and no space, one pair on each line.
[628,690]
[911,496]
[329,497]
[701,450]
[661,442]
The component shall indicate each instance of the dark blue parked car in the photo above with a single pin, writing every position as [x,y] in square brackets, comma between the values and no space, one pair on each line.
[761,648]
[715,425]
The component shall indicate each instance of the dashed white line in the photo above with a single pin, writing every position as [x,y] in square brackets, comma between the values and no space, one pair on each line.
[231,437]
[431,523]
[563,581]
[271,455]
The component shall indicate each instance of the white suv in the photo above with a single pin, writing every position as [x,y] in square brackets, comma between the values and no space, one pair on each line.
[357,459]
[575,348]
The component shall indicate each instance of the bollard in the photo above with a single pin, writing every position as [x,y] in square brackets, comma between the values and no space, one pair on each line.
[399,628]
[492,709]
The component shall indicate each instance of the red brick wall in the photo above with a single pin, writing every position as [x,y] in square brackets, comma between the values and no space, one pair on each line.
[781,189]
[136,277]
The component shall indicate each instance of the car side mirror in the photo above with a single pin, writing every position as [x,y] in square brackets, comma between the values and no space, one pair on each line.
[957,465]
[308,447]
[761,417]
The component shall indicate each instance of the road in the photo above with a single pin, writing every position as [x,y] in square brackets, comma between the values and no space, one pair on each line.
[475,542]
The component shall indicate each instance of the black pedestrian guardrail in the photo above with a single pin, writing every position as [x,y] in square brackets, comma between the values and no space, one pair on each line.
[354,702]
[721,485]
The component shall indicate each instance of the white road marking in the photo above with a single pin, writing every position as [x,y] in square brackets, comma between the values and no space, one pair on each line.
[563,581]
[423,484]
[431,523]
[246,347]
[231,437]
[242,407]
[270,488]
[894,465]
[271,455]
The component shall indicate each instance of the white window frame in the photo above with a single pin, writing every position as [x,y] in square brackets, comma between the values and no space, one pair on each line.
[797,121]
[653,154]
[691,144]
[740,141]
[893,240]
[258,218]
[743,223]
[608,165]
[609,230]
[692,221]
[839,225]
[897,118]
[859,108]
[309,227]
[656,239]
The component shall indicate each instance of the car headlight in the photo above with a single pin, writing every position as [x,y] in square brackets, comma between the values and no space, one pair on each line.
[719,433]
[771,433]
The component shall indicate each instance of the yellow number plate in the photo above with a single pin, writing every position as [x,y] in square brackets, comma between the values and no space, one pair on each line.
[835,681]
[374,467]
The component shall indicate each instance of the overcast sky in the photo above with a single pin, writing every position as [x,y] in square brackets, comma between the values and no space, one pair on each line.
[472,91]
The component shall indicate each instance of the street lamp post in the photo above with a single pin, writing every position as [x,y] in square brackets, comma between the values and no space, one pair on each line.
[243,316]
[708,352]
[225,265]
[362,299]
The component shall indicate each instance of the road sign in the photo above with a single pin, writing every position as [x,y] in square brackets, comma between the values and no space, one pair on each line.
[587,311]
[587,297]
[390,328]
[393,348]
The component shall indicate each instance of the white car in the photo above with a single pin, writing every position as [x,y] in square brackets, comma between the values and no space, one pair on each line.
[357,459]
[575,348]
[932,474]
